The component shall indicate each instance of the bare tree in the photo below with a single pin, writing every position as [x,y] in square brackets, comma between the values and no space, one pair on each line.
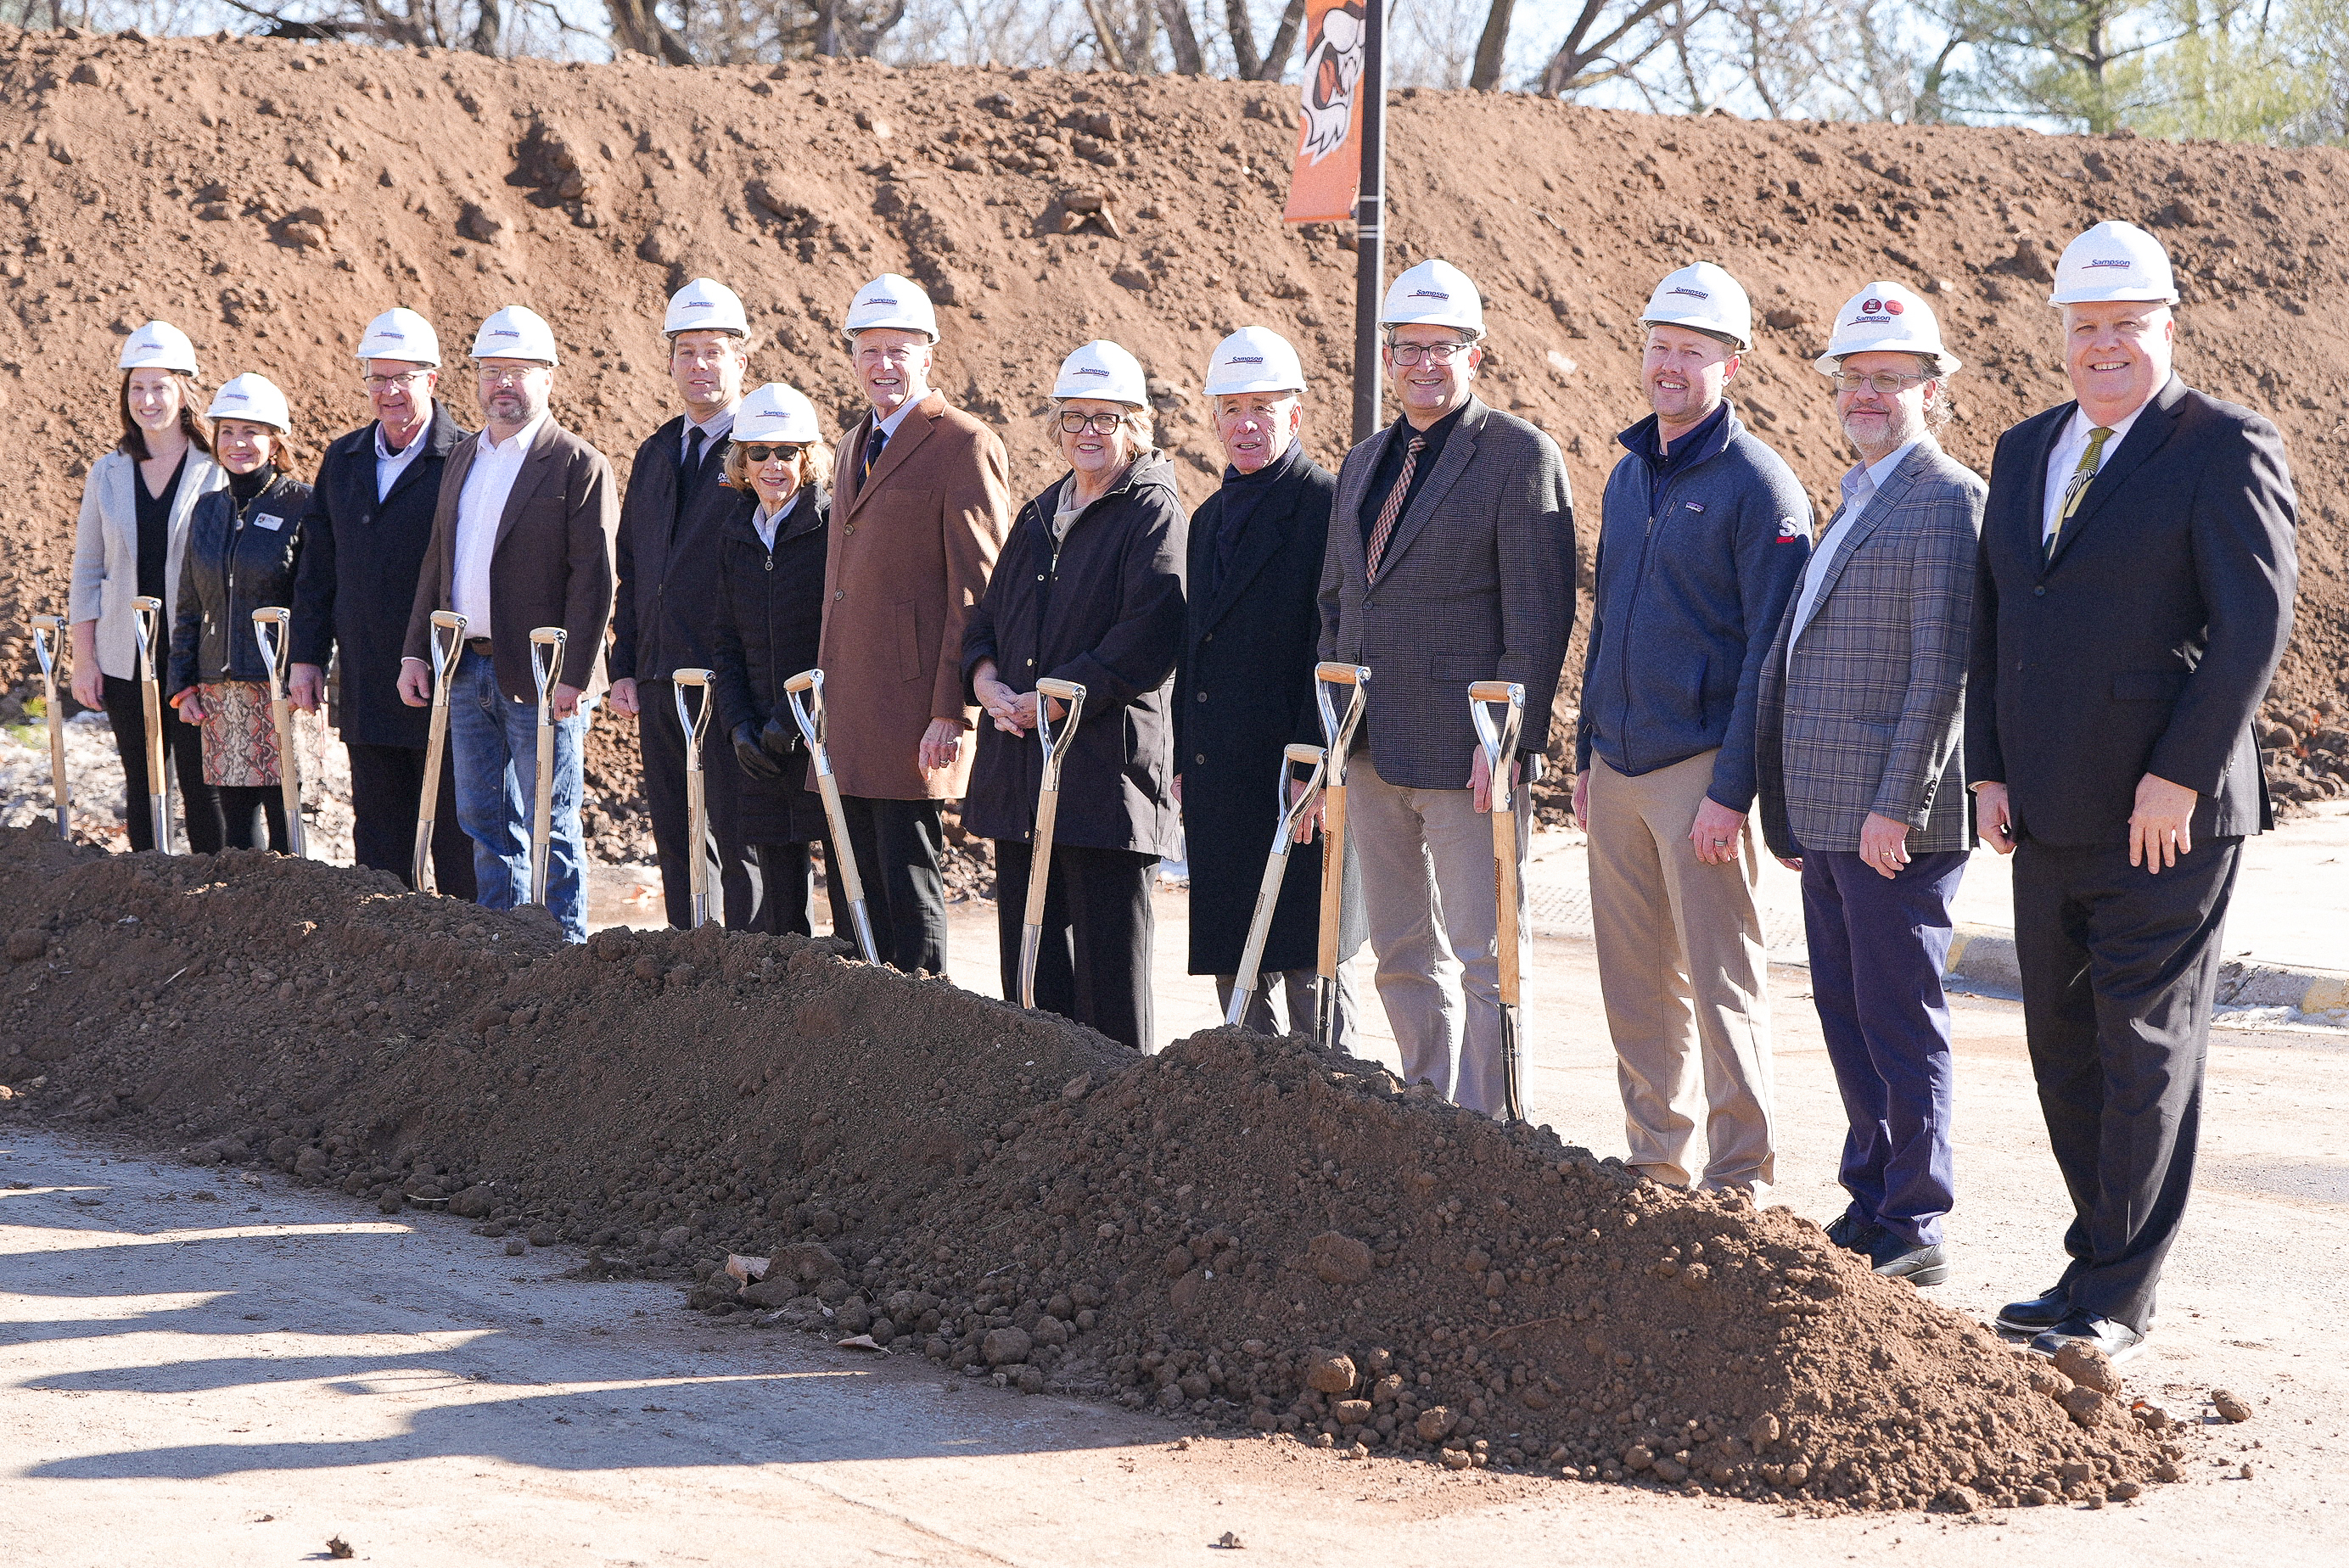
[1491,47]
[1608,38]
[1271,64]
[1181,38]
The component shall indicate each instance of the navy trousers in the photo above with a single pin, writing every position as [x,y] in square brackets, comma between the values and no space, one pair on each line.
[1878,945]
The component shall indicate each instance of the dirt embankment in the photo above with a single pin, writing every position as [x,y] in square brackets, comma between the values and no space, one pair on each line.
[270,197]
[1234,1231]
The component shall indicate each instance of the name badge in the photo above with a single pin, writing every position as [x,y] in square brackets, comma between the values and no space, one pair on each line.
[269,521]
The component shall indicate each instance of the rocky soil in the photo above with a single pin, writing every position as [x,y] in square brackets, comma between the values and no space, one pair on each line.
[1234,1231]
[269,197]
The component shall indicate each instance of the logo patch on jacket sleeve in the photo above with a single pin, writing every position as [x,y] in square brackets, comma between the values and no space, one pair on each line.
[1789,531]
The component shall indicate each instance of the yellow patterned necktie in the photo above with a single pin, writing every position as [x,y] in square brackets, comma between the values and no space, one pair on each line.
[2078,485]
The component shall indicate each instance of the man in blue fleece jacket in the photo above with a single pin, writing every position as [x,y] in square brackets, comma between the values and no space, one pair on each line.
[1703,537]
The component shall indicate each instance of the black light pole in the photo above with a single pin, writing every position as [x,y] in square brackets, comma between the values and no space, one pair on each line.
[1370,218]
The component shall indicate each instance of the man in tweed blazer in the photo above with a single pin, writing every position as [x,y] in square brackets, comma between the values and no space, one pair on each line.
[1450,561]
[1862,772]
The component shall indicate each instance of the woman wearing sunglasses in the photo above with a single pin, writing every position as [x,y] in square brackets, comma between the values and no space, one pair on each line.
[1088,589]
[771,555]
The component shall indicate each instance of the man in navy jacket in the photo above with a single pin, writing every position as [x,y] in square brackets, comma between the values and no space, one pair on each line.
[2133,598]
[363,542]
[1704,534]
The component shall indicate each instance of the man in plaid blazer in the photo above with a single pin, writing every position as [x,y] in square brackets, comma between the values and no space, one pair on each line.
[1862,773]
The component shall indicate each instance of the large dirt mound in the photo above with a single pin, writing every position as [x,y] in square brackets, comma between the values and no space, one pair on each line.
[270,196]
[1235,1231]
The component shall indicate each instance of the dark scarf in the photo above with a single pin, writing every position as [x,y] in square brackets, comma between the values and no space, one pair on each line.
[1242,494]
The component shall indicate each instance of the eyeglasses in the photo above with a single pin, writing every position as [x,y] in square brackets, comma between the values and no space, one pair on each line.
[385,383]
[1435,353]
[1075,423]
[1886,383]
[762,454]
[494,377]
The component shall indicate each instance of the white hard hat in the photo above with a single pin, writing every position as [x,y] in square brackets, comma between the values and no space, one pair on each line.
[158,346]
[1887,318]
[1434,294]
[776,412]
[251,396]
[1706,298]
[1102,369]
[517,332]
[1254,360]
[401,335]
[703,305]
[891,301]
[2114,260]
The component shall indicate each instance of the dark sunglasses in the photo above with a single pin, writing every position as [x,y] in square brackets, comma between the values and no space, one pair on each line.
[790,454]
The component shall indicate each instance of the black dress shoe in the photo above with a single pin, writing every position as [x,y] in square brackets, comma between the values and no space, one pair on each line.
[1895,1257]
[2118,1341]
[2040,1313]
[1852,1233]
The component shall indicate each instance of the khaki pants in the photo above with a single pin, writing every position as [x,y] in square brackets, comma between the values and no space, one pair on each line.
[1426,859]
[1679,944]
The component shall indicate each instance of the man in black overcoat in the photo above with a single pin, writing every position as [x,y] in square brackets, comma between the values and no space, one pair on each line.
[1245,688]
[2133,597]
[363,544]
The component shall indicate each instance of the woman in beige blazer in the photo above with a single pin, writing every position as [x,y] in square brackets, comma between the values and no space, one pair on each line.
[130,541]
[921,502]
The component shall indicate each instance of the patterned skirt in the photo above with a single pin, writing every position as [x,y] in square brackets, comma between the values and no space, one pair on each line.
[240,736]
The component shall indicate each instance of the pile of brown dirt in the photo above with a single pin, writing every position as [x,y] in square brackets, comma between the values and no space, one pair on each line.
[269,197]
[1235,1230]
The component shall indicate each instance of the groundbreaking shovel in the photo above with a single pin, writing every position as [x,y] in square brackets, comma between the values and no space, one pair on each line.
[545,663]
[697,796]
[1338,739]
[272,628]
[1072,696]
[805,692]
[1276,867]
[428,808]
[158,779]
[1500,745]
[48,647]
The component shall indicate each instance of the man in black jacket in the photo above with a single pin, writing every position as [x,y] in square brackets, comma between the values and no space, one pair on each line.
[667,562]
[364,537]
[1245,689]
[2133,597]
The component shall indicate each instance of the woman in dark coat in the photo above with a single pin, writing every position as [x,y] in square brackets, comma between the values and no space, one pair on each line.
[1088,589]
[1245,691]
[244,544]
[771,551]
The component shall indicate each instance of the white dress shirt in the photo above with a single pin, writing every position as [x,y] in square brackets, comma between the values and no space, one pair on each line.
[480,506]
[389,465]
[714,430]
[2064,456]
[1859,487]
[767,523]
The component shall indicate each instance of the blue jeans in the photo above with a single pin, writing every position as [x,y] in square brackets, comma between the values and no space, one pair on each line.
[1877,946]
[493,752]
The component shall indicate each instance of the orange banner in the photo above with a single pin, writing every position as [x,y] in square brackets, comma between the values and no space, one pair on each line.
[1329,174]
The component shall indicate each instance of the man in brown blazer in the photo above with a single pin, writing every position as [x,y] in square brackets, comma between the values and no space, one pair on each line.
[922,500]
[521,538]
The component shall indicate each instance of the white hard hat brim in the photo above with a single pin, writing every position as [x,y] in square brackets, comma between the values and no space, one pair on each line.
[2131,293]
[1704,323]
[1944,362]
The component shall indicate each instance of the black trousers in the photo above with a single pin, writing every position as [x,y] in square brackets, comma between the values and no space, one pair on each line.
[2119,967]
[898,845]
[199,806]
[253,817]
[1093,962]
[787,894]
[663,741]
[387,788]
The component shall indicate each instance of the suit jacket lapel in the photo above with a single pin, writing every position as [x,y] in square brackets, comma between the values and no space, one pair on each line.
[1880,504]
[1346,514]
[2145,438]
[1458,450]
[430,435]
[1267,532]
[911,433]
[534,465]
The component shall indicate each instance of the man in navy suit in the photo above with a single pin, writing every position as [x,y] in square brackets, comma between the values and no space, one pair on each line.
[2133,596]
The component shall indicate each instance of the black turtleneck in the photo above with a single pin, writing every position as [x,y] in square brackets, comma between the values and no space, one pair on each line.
[1242,494]
[244,487]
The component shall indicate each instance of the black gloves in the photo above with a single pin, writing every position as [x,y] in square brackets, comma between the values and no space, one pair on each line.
[766,751]
[752,756]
